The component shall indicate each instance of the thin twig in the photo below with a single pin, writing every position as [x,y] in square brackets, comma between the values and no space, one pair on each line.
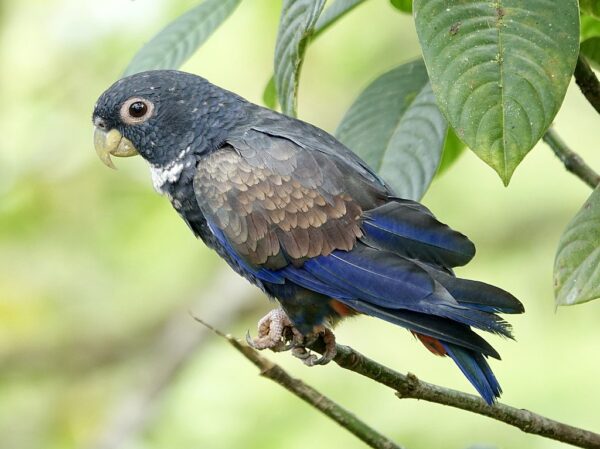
[409,386]
[571,160]
[309,395]
[588,82]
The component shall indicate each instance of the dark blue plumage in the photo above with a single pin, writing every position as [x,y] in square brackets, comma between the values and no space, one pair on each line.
[408,228]
[474,366]
[302,217]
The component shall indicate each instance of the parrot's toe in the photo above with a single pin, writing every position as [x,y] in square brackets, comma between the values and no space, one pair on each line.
[274,331]
[300,351]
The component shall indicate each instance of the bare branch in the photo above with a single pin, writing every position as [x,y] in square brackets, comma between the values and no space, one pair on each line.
[572,161]
[588,82]
[309,395]
[409,386]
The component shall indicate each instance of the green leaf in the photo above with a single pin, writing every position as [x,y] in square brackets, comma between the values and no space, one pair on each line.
[453,148]
[173,45]
[270,94]
[590,48]
[591,7]
[499,69]
[589,27]
[402,5]
[590,40]
[338,9]
[396,127]
[296,24]
[577,264]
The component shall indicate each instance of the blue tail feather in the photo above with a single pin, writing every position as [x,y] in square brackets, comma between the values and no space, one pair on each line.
[476,369]
[475,294]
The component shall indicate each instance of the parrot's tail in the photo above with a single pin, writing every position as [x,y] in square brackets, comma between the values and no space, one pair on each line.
[471,363]
[443,337]
[475,294]
[476,369]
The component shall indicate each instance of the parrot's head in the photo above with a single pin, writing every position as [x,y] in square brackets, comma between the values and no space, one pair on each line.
[158,114]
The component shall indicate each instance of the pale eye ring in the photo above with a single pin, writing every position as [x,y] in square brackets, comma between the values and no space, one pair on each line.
[136,110]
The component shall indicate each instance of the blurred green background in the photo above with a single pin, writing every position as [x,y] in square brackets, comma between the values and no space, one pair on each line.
[98,275]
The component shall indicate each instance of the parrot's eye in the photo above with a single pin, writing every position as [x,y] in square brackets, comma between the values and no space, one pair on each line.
[136,110]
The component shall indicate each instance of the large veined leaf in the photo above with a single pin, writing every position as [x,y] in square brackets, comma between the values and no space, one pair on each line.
[172,46]
[577,264]
[397,128]
[296,24]
[333,13]
[499,69]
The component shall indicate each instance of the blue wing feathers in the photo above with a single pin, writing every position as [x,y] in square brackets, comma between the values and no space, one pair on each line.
[410,229]
[305,279]
[368,274]
[386,280]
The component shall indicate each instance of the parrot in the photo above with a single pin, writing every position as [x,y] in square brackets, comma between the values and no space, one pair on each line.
[305,219]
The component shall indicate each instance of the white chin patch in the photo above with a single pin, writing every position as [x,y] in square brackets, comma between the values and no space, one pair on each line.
[169,173]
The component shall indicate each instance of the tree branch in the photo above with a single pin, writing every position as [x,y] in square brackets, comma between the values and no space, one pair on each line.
[572,161]
[588,82]
[409,386]
[309,395]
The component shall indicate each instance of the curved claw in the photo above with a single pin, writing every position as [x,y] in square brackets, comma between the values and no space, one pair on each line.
[305,355]
[250,340]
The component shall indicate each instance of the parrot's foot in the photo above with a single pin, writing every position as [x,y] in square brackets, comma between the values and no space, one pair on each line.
[274,331]
[300,347]
[277,333]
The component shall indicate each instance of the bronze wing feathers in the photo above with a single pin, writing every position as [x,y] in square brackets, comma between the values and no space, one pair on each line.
[275,201]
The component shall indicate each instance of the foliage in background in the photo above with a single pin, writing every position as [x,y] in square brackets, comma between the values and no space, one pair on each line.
[590,39]
[180,39]
[396,127]
[577,265]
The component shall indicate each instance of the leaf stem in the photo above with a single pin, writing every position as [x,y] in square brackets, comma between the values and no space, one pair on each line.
[588,82]
[571,160]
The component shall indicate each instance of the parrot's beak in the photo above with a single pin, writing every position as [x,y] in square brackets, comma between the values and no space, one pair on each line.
[112,143]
